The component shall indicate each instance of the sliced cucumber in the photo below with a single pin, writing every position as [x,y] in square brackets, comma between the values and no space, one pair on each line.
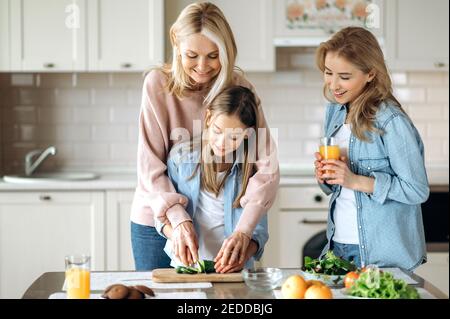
[180,269]
[202,266]
[208,266]
[192,270]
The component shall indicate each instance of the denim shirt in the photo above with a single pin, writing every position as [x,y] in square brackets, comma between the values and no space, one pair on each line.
[180,166]
[391,232]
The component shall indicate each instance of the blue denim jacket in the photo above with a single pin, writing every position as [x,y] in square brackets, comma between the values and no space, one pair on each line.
[391,232]
[181,165]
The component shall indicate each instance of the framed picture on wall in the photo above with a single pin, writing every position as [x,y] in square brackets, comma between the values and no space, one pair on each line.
[322,18]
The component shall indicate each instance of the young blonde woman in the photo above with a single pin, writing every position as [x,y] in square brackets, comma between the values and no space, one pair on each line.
[380,182]
[213,184]
[173,104]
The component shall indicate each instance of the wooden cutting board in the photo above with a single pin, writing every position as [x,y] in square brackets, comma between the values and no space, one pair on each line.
[170,275]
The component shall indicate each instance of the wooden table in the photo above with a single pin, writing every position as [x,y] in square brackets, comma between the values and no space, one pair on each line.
[52,282]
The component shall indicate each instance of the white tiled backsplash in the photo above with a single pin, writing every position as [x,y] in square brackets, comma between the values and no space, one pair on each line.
[92,119]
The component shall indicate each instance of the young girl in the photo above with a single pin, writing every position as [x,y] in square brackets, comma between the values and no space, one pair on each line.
[213,175]
[380,181]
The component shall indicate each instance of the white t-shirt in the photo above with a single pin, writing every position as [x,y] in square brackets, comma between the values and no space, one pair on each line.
[345,212]
[209,222]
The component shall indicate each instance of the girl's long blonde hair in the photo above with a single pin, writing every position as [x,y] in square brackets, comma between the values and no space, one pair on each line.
[233,101]
[206,19]
[360,47]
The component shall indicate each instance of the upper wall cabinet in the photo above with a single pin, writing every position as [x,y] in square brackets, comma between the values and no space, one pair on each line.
[125,35]
[48,35]
[417,35]
[81,35]
[4,36]
[251,22]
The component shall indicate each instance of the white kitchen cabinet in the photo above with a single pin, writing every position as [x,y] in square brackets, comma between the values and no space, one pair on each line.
[436,270]
[118,243]
[417,35]
[299,213]
[48,35]
[37,229]
[296,228]
[252,25]
[4,36]
[125,35]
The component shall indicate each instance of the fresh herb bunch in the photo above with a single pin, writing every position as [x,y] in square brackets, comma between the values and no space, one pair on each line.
[201,266]
[330,264]
[375,283]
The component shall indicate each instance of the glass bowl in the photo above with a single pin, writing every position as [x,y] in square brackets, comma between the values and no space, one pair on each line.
[330,280]
[263,279]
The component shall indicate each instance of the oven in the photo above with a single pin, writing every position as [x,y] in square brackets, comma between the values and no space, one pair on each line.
[302,222]
[435,218]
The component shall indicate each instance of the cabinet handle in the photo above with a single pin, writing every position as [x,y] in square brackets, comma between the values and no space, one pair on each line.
[49,65]
[45,197]
[126,65]
[439,65]
[312,222]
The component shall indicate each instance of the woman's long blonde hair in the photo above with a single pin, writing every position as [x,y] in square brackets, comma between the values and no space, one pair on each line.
[236,101]
[360,47]
[206,19]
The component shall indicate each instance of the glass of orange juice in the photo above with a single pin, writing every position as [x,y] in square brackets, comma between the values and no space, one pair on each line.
[329,149]
[78,276]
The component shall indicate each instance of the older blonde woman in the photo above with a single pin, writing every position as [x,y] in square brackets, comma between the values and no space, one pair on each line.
[174,100]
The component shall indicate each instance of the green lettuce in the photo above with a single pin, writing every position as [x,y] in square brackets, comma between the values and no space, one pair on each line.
[378,284]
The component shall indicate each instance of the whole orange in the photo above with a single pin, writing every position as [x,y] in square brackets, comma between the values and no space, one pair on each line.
[311,282]
[294,287]
[318,292]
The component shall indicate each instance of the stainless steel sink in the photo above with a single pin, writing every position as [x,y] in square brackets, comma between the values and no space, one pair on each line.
[50,177]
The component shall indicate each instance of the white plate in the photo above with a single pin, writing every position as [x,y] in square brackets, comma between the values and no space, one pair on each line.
[347,295]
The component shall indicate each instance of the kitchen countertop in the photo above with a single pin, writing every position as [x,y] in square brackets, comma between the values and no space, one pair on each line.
[291,174]
[109,181]
[51,282]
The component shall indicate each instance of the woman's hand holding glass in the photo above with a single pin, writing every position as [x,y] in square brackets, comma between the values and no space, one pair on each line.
[319,168]
[337,172]
[333,172]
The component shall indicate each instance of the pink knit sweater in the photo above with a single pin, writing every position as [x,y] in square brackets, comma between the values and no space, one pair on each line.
[163,119]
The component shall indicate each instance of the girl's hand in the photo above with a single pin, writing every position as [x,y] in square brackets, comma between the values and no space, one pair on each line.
[233,250]
[222,269]
[185,243]
[342,174]
[319,168]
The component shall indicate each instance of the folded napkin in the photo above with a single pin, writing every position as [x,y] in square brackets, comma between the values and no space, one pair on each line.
[101,280]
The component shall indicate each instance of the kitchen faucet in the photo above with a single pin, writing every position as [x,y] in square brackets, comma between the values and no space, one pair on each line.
[31,167]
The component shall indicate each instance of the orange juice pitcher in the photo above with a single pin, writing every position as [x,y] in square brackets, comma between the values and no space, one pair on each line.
[329,149]
[78,277]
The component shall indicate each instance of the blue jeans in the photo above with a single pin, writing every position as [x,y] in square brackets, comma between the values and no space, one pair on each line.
[148,248]
[347,251]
